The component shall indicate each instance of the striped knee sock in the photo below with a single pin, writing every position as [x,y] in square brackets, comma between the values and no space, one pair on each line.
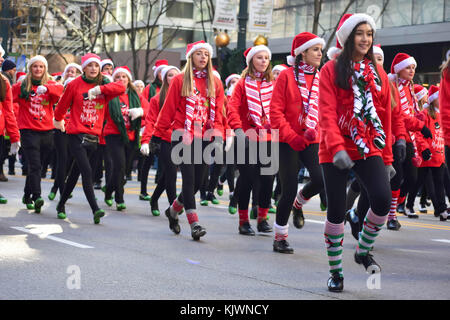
[334,237]
[393,210]
[300,200]
[262,214]
[371,228]
[243,216]
[281,232]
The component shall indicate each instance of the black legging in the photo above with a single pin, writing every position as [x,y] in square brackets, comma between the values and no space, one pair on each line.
[146,163]
[81,164]
[372,176]
[406,173]
[121,156]
[63,160]
[228,175]
[288,173]
[35,143]
[167,179]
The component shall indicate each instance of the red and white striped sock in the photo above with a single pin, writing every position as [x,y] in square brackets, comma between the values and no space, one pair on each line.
[243,216]
[281,232]
[262,214]
[191,216]
[176,207]
[392,212]
[300,200]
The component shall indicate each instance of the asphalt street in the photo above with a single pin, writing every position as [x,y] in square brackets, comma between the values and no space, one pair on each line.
[134,255]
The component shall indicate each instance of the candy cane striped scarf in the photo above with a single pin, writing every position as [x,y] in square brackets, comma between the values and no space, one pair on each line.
[310,101]
[258,100]
[194,101]
[364,85]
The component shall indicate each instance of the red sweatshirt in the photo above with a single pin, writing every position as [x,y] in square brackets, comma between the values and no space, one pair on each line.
[146,92]
[150,121]
[86,116]
[435,144]
[110,126]
[287,106]
[444,105]
[336,112]
[7,118]
[173,113]
[36,113]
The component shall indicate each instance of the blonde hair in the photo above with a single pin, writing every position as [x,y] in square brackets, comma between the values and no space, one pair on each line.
[188,79]
[445,66]
[250,71]
[45,78]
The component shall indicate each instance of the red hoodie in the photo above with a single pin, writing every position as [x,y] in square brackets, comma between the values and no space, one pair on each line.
[36,113]
[287,106]
[7,118]
[444,105]
[434,144]
[86,116]
[173,113]
[336,112]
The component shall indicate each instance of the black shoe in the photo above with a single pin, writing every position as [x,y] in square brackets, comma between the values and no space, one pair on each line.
[198,232]
[3,178]
[443,216]
[173,223]
[336,282]
[352,218]
[410,213]
[368,262]
[282,246]
[246,229]
[11,173]
[263,226]
[393,224]
[297,218]
[401,208]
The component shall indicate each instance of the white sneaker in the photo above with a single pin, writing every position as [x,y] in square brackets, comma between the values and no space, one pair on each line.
[423,208]
[410,213]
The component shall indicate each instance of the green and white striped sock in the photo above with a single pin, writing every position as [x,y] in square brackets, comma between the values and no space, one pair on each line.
[334,238]
[371,229]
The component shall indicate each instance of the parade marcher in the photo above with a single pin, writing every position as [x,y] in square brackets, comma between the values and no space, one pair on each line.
[276,70]
[36,96]
[294,112]
[152,89]
[87,97]
[9,71]
[249,112]
[121,131]
[192,106]
[8,121]
[354,96]
[140,85]
[444,106]
[167,178]
[107,67]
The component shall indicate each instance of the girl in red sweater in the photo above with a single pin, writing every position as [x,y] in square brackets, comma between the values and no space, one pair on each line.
[36,96]
[294,112]
[192,106]
[354,97]
[8,121]
[444,105]
[249,108]
[168,172]
[87,97]
[121,131]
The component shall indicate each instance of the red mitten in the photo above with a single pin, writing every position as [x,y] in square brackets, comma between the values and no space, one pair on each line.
[310,134]
[298,143]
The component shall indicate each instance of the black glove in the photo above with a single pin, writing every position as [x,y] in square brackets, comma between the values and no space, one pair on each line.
[400,150]
[426,132]
[155,145]
[426,154]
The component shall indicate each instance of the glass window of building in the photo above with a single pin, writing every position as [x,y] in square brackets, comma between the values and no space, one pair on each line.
[177,39]
[447,10]
[397,13]
[121,15]
[427,11]
[179,9]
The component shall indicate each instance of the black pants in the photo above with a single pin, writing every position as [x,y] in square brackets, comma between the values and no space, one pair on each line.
[144,168]
[35,143]
[167,179]
[228,175]
[406,173]
[83,156]
[372,176]
[63,160]
[288,173]
[121,156]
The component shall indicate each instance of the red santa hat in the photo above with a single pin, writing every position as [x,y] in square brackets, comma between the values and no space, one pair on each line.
[20,73]
[333,52]
[349,22]
[36,59]
[166,69]
[105,62]
[72,65]
[280,67]
[302,42]
[159,65]
[55,74]
[377,50]
[433,94]
[88,58]
[230,77]
[402,61]
[191,47]
[250,52]
[123,69]
[420,91]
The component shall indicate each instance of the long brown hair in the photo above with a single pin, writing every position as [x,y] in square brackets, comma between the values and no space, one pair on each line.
[45,78]
[188,80]
[2,88]
[392,87]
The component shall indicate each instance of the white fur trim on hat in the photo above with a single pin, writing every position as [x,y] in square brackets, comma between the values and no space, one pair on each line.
[118,70]
[378,50]
[333,52]
[257,49]
[419,95]
[433,97]
[72,65]
[404,64]
[347,27]
[156,70]
[290,60]
[279,67]
[230,77]
[104,62]
[91,59]
[392,77]
[139,82]
[167,69]
[36,59]
[309,44]
[205,45]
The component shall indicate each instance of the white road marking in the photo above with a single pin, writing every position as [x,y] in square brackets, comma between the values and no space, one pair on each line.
[315,221]
[71,243]
[441,240]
